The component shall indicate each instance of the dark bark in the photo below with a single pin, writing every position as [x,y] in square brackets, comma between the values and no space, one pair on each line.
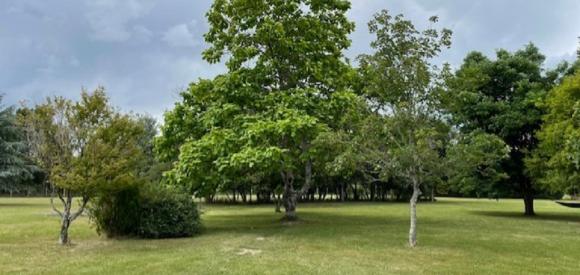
[528,196]
[290,206]
[291,196]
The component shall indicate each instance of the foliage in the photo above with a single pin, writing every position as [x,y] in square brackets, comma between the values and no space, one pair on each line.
[474,164]
[557,160]
[258,121]
[15,168]
[84,147]
[500,97]
[404,86]
[287,44]
[146,211]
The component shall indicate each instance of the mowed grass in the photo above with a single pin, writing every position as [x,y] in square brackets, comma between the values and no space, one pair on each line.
[456,236]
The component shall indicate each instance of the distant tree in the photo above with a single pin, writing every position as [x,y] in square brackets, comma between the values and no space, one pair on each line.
[403,85]
[15,169]
[152,167]
[500,97]
[84,147]
[556,162]
[474,164]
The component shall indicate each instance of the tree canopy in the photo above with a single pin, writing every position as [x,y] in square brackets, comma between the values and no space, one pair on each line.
[500,97]
[15,168]
[557,160]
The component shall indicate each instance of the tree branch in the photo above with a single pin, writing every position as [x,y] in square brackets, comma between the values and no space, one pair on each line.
[81,209]
[52,203]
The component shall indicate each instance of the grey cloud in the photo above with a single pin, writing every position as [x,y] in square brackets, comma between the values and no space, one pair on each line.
[181,35]
[109,19]
[143,52]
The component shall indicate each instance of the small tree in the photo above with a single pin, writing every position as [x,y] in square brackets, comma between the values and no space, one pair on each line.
[403,85]
[83,147]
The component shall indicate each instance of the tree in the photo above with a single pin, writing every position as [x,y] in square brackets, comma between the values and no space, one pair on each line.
[474,164]
[84,147]
[557,160]
[15,168]
[259,120]
[500,97]
[404,86]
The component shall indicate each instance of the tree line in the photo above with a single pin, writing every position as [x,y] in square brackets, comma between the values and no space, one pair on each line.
[293,120]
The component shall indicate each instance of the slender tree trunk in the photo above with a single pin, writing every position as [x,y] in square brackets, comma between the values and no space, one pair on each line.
[413,213]
[65,218]
[342,192]
[433,193]
[278,203]
[63,237]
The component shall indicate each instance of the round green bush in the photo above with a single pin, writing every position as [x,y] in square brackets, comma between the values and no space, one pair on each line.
[146,212]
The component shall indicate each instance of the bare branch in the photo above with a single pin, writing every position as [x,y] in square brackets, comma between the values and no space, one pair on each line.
[81,209]
[52,204]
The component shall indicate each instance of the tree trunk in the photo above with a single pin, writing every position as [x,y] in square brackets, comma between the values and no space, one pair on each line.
[63,238]
[65,218]
[413,212]
[289,196]
[433,193]
[528,194]
[529,204]
[278,203]
[290,206]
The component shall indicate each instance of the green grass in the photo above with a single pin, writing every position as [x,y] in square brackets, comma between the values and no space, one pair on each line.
[455,237]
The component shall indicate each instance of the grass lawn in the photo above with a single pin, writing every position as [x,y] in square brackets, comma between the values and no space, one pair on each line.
[455,236]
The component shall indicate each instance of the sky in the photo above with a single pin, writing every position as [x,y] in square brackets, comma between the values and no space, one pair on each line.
[145,51]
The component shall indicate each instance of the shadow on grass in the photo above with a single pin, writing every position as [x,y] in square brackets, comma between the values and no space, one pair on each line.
[560,217]
[18,204]
[311,222]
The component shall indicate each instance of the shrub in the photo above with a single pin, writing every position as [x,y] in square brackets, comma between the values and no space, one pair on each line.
[146,212]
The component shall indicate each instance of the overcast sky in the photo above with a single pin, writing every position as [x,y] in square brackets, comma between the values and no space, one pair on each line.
[145,51]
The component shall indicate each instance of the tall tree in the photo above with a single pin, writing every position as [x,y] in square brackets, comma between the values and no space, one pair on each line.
[499,97]
[404,85]
[285,63]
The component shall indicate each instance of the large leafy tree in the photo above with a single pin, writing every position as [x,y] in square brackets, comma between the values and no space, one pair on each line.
[557,160]
[403,85]
[84,147]
[15,168]
[500,97]
[260,119]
